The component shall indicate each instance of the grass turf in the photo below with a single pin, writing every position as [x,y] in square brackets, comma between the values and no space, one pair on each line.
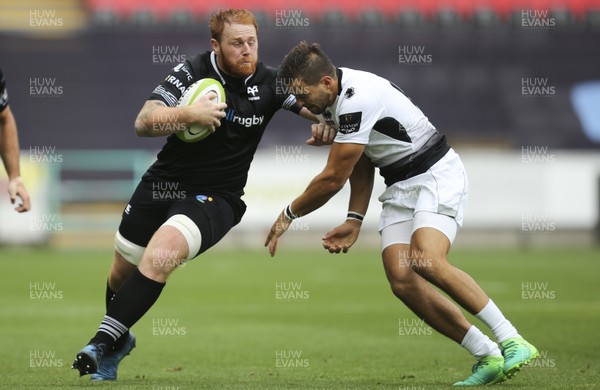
[304,320]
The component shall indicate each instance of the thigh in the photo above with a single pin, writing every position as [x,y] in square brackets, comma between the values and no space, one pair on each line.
[429,249]
[449,185]
[214,215]
[397,233]
[143,215]
[445,228]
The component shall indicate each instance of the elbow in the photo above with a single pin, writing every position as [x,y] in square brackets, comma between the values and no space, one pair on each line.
[334,185]
[140,128]
[333,180]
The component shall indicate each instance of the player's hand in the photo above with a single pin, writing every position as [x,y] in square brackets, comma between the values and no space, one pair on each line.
[280,226]
[207,111]
[16,188]
[342,237]
[322,134]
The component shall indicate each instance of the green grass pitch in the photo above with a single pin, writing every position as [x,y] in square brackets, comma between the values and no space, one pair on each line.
[303,320]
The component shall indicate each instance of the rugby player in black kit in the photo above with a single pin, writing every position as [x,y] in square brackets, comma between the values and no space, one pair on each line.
[191,196]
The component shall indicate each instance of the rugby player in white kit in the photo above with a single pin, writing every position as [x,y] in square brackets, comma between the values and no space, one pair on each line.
[422,206]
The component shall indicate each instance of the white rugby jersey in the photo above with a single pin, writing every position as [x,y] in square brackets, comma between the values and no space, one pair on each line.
[372,111]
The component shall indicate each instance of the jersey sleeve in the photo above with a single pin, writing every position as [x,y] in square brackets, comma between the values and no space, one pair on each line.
[283,98]
[174,85]
[357,115]
[3,92]
[290,104]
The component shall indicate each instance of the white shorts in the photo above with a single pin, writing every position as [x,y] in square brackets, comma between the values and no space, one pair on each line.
[442,190]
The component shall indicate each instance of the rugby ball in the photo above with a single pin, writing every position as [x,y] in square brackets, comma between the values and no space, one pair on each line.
[197,132]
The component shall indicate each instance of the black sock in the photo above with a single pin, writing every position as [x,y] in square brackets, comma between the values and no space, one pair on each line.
[110,294]
[130,303]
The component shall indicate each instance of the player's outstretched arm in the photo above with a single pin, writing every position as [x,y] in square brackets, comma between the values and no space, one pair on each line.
[342,159]
[342,237]
[156,119]
[9,152]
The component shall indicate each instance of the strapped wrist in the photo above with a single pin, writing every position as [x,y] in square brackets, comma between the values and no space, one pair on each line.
[288,213]
[354,215]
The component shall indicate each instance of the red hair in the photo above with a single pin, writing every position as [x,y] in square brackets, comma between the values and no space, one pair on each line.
[231,15]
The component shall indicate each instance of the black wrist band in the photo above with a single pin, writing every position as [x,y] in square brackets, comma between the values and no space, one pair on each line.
[355,215]
[288,213]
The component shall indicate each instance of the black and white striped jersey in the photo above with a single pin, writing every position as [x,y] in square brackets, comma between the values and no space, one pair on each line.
[372,111]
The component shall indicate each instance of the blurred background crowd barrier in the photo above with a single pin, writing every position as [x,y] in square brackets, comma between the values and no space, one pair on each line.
[514,84]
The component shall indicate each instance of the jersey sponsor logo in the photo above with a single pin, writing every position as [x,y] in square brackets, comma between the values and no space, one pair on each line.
[350,123]
[244,121]
[176,82]
[349,93]
[183,68]
[204,198]
[253,90]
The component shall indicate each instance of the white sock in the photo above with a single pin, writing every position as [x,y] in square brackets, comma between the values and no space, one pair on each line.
[479,345]
[498,324]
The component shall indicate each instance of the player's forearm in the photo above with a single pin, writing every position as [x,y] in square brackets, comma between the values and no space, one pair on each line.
[306,114]
[361,186]
[319,191]
[340,164]
[9,144]
[157,120]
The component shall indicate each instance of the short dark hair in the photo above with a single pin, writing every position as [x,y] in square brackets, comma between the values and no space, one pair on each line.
[307,62]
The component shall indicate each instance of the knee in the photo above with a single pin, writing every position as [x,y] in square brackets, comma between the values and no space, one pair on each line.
[403,284]
[176,241]
[159,262]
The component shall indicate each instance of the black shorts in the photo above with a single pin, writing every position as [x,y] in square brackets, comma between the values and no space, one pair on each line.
[155,201]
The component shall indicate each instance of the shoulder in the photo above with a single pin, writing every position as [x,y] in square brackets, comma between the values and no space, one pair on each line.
[359,91]
[199,65]
[358,83]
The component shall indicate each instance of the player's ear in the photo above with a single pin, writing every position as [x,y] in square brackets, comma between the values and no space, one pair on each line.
[214,45]
[327,81]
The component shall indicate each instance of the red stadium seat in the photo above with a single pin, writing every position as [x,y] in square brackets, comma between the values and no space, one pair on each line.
[351,8]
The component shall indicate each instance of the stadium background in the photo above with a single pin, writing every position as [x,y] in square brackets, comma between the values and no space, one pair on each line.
[499,76]
[514,84]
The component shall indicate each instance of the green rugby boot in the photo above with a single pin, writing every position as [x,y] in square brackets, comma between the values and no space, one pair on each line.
[487,371]
[517,352]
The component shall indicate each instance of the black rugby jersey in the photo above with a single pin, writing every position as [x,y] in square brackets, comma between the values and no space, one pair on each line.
[3,93]
[221,161]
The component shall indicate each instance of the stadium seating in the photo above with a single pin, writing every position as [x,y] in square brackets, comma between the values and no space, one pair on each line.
[337,12]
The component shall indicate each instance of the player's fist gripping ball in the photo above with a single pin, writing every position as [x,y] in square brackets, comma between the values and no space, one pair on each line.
[196,132]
